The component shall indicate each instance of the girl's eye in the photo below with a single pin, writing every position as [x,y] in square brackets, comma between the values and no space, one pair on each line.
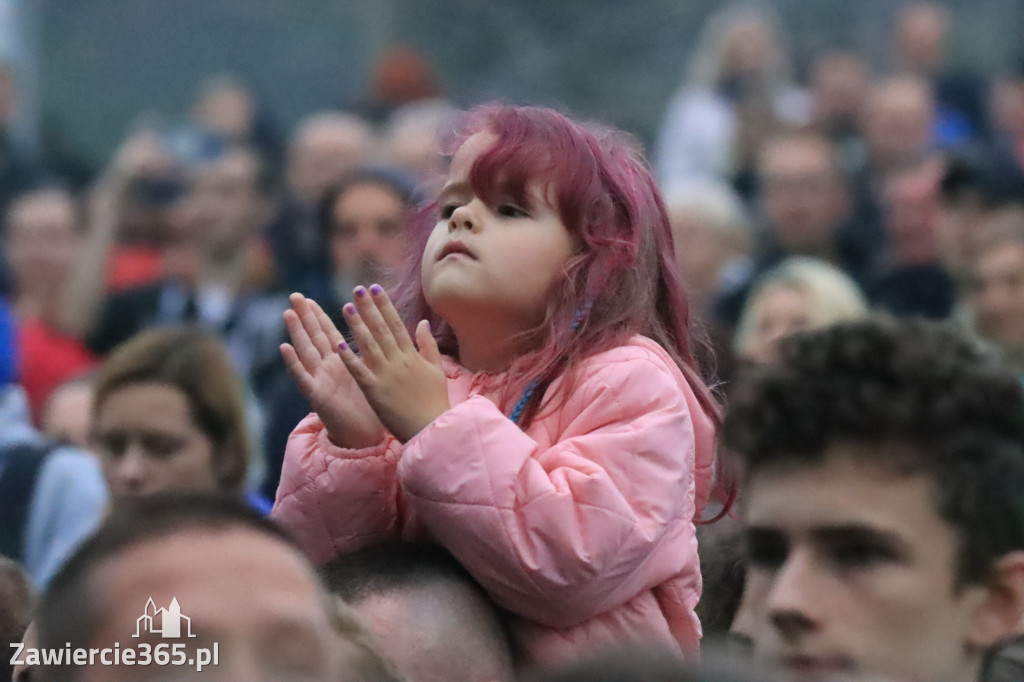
[447,210]
[511,211]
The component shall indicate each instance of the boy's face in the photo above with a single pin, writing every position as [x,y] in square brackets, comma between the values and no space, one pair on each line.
[851,574]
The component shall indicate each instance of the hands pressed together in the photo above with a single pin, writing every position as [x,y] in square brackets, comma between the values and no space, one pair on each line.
[391,384]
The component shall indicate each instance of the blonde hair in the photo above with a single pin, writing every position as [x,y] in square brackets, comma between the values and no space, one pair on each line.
[835,297]
[716,206]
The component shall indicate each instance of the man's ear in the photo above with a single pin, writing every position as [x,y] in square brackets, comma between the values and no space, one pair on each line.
[1000,613]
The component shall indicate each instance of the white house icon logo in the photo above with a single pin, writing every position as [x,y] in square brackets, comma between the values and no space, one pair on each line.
[169,621]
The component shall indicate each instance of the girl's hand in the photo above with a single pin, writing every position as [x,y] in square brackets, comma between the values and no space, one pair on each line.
[313,363]
[405,386]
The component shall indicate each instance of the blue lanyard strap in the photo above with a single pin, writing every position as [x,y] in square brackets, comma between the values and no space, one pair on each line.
[517,411]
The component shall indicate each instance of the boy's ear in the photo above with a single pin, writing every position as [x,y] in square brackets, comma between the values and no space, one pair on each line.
[1001,611]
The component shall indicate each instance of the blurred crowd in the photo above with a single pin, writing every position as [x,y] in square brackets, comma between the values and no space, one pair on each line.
[141,308]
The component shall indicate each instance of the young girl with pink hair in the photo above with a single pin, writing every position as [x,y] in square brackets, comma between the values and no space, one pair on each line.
[530,401]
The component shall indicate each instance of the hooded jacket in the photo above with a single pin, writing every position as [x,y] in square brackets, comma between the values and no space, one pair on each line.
[582,525]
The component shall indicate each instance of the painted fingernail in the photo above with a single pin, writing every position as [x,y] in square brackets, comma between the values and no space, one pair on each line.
[428,326]
[360,291]
[376,289]
[342,346]
[350,309]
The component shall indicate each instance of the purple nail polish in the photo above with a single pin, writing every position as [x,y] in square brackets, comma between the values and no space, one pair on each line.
[376,289]
[360,292]
[343,346]
[350,309]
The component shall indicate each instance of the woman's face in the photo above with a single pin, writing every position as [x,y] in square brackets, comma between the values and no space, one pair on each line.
[148,443]
[779,312]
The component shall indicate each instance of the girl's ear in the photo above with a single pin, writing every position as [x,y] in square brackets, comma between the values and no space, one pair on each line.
[1001,610]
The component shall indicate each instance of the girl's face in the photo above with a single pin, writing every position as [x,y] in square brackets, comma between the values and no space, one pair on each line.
[148,443]
[484,262]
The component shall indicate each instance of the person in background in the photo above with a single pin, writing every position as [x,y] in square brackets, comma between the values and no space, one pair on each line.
[839,84]
[237,579]
[976,188]
[414,137]
[908,278]
[131,231]
[738,90]
[426,613]
[42,241]
[168,415]
[67,415]
[1006,110]
[228,108]
[896,124]
[884,526]
[51,496]
[713,240]
[995,299]
[920,49]
[324,147]
[798,294]
[363,222]
[402,76]
[806,204]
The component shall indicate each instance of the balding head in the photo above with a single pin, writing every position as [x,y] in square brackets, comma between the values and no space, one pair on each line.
[324,148]
[428,616]
[920,37]
[897,122]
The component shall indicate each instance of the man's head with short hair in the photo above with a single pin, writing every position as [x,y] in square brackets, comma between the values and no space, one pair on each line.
[803,191]
[885,524]
[896,122]
[996,279]
[234,574]
[429,616]
[325,147]
[41,240]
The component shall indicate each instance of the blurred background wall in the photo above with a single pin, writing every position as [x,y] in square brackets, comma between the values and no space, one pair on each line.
[91,66]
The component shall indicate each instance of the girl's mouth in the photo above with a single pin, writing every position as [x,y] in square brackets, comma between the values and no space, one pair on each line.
[455,247]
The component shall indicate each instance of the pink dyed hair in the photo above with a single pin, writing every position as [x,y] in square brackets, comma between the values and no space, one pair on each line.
[623,279]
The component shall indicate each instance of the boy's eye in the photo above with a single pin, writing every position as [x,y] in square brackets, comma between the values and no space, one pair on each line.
[860,555]
[766,550]
[511,211]
[447,210]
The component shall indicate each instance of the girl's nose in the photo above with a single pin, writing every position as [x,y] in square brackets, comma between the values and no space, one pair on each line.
[463,217]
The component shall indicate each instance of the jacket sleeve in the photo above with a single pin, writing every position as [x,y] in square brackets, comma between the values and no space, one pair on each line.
[334,500]
[563,532]
[68,503]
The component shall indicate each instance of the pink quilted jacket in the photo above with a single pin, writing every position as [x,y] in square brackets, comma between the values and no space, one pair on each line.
[582,525]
